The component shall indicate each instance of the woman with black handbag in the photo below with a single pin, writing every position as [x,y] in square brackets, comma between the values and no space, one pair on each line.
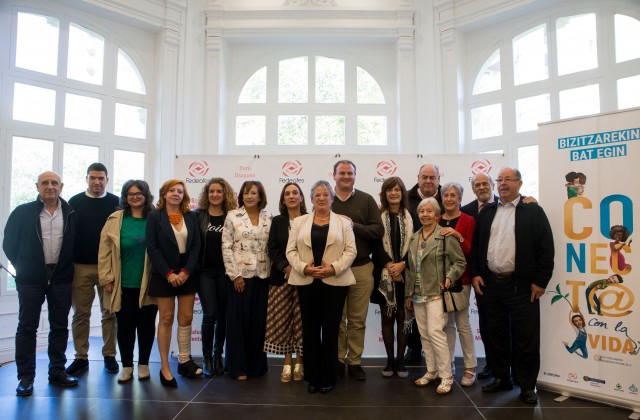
[435,262]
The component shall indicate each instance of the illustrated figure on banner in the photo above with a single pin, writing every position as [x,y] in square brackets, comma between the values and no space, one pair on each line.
[621,241]
[580,343]
[575,183]
[592,296]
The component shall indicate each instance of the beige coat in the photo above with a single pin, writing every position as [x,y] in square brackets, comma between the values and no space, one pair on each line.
[340,250]
[109,265]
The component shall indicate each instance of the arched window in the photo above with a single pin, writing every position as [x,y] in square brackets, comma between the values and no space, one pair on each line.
[74,95]
[565,65]
[320,102]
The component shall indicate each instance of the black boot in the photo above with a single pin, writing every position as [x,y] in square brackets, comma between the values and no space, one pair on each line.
[217,364]
[207,367]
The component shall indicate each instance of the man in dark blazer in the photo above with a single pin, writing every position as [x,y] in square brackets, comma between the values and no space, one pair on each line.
[39,240]
[511,265]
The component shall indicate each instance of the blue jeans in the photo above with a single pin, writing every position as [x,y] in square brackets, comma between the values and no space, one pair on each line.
[212,292]
[30,300]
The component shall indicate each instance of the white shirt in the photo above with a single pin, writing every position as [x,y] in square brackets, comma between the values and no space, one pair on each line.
[501,255]
[52,228]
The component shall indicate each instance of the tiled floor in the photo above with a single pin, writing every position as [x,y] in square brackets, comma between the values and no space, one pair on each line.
[99,396]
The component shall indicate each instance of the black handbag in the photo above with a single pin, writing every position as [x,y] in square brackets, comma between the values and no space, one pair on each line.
[453,298]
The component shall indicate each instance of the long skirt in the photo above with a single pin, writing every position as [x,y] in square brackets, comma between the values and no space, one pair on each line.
[284,321]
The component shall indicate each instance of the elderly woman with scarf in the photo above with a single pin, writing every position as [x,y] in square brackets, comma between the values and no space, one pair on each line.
[390,263]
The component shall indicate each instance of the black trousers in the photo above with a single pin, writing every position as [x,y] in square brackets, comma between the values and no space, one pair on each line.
[321,307]
[131,320]
[213,298]
[246,324]
[513,330]
[30,300]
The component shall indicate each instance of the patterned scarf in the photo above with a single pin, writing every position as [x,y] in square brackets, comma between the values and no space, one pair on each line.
[386,286]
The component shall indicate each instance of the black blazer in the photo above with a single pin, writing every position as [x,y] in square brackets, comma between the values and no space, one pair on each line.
[472,208]
[163,247]
[534,244]
[277,245]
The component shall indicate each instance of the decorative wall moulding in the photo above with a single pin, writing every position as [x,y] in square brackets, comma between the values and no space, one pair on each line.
[309,3]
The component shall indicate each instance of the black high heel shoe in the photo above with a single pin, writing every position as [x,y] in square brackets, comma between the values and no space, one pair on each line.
[171,383]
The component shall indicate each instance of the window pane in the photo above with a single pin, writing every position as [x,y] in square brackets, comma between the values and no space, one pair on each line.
[34,104]
[629,92]
[126,165]
[531,111]
[255,90]
[293,130]
[486,121]
[131,121]
[528,166]
[251,130]
[29,158]
[627,30]
[37,43]
[293,80]
[330,130]
[369,91]
[372,131]
[329,80]
[82,113]
[488,79]
[86,55]
[577,43]
[76,159]
[129,77]
[530,56]
[580,101]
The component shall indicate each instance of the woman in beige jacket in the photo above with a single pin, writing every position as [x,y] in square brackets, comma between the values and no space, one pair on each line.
[124,271]
[320,250]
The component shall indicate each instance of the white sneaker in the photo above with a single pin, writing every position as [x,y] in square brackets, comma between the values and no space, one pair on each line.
[125,374]
[143,372]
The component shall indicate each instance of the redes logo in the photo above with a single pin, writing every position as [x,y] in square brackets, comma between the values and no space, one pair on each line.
[386,168]
[198,168]
[291,168]
[481,167]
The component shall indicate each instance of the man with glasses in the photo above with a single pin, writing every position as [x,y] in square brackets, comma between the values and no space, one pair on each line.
[511,265]
[92,207]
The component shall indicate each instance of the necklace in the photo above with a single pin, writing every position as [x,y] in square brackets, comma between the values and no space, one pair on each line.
[423,245]
[322,219]
[175,218]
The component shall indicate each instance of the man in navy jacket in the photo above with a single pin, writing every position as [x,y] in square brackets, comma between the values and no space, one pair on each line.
[511,265]
[39,240]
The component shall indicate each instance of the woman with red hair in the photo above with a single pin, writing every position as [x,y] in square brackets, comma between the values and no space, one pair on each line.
[173,244]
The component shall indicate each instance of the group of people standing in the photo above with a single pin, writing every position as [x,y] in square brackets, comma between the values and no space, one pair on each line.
[296,284]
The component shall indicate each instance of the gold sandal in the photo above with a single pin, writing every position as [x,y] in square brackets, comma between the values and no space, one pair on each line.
[298,372]
[445,386]
[426,379]
[285,376]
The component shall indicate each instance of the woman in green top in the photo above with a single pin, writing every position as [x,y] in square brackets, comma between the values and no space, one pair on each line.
[124,270]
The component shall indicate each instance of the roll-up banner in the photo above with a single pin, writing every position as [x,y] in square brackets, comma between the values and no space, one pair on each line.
[591,313]
[274,171]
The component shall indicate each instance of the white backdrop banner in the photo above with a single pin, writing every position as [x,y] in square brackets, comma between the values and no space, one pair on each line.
[274,171]
[590,322]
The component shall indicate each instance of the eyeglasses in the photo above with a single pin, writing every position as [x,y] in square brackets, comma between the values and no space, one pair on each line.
[135,194]
[507,179]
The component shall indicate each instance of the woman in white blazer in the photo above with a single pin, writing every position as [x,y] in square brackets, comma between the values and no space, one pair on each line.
[320,250]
